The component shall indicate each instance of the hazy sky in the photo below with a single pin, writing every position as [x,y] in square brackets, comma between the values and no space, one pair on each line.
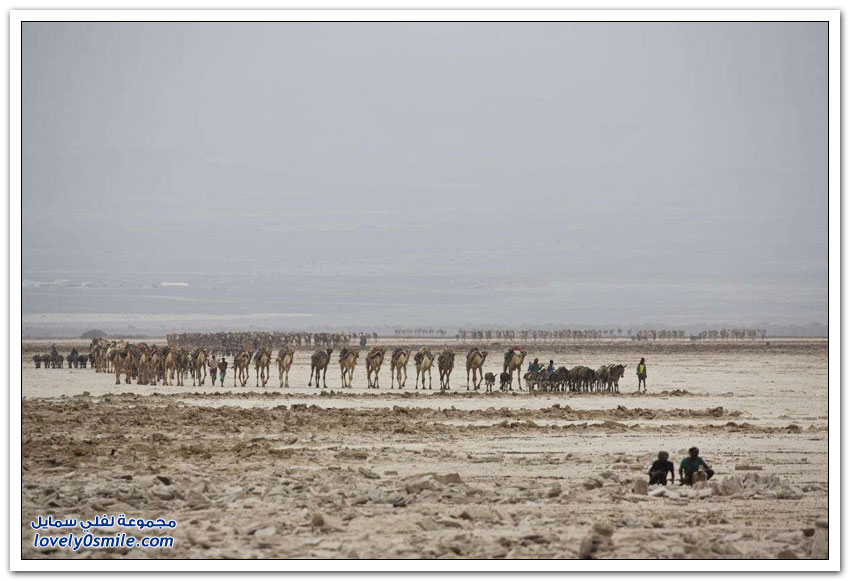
[576,172]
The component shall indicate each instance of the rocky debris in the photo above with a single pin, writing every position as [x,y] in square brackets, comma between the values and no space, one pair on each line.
[599,539]
[786,554]
[451,478]
[640,486]
[750,467]
[325,523]
[481,514]
[265,532]
[592,483]
[164,479]
[554,491]
[793,429]
[751,485]
[195,499]
[820,540]
[424,482]
[366,473]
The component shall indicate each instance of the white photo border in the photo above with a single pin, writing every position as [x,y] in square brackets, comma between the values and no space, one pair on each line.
[16,17]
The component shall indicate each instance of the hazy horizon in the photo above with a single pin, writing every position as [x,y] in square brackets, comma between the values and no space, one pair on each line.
[347,175]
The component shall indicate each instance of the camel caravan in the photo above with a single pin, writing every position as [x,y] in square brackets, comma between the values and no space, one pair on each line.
[153,365]
[230,344]
[579,335]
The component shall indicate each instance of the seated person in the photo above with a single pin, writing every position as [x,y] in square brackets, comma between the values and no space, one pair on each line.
[551,367]
[691,465]
[659,469]
[535,366]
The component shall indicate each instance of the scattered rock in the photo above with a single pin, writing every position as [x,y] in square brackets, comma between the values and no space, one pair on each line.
[318,520]
[426,482]
[598,539]
[265,532]
[592,483]
[554,491]
[640,486]
[164,479]
[747,467]
[196,499]
[451,478]
[820,541]
[365,472]
[786,554]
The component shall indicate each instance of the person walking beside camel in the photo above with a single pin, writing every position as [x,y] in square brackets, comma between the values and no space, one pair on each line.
[641,374]
[222,370]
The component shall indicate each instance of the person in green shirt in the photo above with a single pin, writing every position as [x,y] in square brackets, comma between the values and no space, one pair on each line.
[641,374]
[535,367]
[692,464]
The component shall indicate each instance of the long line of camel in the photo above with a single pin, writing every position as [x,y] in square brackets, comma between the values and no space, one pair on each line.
[151,364]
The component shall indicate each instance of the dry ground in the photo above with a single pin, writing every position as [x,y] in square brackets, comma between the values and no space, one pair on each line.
[300,473]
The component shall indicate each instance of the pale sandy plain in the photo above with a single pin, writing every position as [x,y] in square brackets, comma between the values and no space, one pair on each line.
[326,473]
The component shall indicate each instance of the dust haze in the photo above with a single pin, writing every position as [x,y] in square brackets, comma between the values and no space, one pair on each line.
[307,175]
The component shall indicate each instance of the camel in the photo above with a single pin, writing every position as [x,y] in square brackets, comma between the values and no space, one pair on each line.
[445,364]
[154,366]
[241,361]
[424,360]
[398,364]
[181,364]
[513,361]
[142,361]
[198,363]
[262,360]
[319,364]
[374,360]
[475,363]
[615,373]
[122,362]
[284,362]
[347,361]
[169,364]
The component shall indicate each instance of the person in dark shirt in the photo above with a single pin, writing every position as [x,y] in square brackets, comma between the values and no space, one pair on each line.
[691,465]
[659,469]
[222,370]
[551,367]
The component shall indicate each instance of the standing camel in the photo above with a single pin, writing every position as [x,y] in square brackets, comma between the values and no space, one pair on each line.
[169,364]
[347,361]
[241,363]
[181,364]
[319,364]
[262,360]
[198,363]
[398,364]
[374,361]
[475,363]
[284,362]
[424,360]
[122,362]
[513,361]
[445,364]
